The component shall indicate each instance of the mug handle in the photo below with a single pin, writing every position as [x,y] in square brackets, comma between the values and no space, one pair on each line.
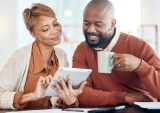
[112,65]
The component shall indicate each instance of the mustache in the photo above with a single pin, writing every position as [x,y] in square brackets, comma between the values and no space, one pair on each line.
[91,34]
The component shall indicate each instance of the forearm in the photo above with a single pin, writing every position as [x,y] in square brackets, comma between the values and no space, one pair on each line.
[27,98]
[150,77]
[98,98]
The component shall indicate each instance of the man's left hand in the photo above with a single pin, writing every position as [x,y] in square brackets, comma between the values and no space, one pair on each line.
[126,62]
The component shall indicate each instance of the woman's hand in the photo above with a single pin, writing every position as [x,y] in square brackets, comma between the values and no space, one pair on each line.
[42,85]
[39,91]
[67,93]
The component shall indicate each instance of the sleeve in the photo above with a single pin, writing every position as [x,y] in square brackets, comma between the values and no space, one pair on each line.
[149,70]
[16,100]
[9,76]
[91,97]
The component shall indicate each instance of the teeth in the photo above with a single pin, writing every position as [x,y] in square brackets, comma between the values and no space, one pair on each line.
[93,37]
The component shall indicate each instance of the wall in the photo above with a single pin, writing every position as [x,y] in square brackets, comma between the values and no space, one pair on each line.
[150,16]
[7,29]
[150,11]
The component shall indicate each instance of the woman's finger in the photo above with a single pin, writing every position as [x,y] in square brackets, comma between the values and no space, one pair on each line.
[69,82]
[57,87]
[63,84]
[50,78]
[54,88]
[80,89]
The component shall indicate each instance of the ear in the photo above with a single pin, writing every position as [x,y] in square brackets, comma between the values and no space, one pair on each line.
[113,23]
[33,34]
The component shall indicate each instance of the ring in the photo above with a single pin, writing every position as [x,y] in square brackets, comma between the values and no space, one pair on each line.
[119,65]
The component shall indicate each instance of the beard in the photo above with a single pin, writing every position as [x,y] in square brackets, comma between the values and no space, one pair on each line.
[102,40]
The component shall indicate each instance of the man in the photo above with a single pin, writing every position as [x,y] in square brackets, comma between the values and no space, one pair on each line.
[136,73]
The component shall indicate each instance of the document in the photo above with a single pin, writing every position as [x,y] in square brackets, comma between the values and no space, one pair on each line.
[148,105]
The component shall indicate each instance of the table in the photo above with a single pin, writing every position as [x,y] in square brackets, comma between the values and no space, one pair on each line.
[128,109]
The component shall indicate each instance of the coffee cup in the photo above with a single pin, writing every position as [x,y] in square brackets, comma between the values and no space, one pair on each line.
[105,61]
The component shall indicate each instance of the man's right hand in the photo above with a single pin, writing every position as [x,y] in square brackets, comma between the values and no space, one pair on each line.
[137,97]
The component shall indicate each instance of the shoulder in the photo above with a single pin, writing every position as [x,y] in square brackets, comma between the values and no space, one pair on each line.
[59,51]
[131,38]
[22,52]
[24,49]
[83,46]
[83,50]
[62,57]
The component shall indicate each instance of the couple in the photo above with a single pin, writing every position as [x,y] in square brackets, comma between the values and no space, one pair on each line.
[25,77]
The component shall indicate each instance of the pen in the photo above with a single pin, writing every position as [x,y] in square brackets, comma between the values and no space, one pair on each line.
[74,110]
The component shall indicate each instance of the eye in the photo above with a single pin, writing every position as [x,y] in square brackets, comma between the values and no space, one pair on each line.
[44,30]
[86,23]
[55,23]
[99,25]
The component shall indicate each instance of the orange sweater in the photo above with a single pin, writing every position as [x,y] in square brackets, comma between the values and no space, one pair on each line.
[110,89]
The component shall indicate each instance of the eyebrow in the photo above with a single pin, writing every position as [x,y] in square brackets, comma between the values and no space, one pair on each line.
[48,25]
[95,22]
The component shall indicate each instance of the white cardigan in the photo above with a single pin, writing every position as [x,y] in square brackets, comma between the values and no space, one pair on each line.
[14,73]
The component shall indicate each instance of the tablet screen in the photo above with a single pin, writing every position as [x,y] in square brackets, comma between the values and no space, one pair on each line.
[77,75]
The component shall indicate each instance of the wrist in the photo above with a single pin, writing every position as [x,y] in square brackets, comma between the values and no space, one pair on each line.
[127,98]
[61,103]
[33,96]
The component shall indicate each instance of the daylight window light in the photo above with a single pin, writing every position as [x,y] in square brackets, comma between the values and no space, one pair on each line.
[67,13]
[4,27]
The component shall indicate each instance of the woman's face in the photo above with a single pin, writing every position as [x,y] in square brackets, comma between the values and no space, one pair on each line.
[47,31]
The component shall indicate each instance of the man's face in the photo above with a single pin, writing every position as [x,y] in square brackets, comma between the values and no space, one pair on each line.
[96,27]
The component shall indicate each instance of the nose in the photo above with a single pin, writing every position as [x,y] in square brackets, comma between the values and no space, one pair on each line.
[53,30]
[91,29]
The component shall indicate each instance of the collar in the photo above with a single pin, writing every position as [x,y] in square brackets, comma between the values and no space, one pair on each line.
[112,43]
[38,61]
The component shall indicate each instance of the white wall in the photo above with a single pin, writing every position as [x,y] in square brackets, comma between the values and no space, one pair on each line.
[150,11]
[150,16]
[7,29]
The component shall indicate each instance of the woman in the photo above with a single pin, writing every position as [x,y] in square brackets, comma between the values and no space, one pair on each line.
[25,77]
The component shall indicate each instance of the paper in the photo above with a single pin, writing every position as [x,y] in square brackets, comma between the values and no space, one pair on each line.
[148,105]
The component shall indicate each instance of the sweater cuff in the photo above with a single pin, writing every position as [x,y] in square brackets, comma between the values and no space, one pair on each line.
[6,100]
[16,102]
[143,69]
[118,97]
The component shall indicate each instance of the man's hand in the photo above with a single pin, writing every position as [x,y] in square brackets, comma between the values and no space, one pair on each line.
[126,62]
[137,97]
[67,93]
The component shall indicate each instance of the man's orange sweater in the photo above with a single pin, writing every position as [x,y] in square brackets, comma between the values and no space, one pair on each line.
[110,89]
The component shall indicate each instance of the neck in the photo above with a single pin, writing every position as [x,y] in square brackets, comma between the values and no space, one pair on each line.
[110,37]
[46,52]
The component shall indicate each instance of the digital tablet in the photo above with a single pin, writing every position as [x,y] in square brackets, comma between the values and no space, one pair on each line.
[77,75]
